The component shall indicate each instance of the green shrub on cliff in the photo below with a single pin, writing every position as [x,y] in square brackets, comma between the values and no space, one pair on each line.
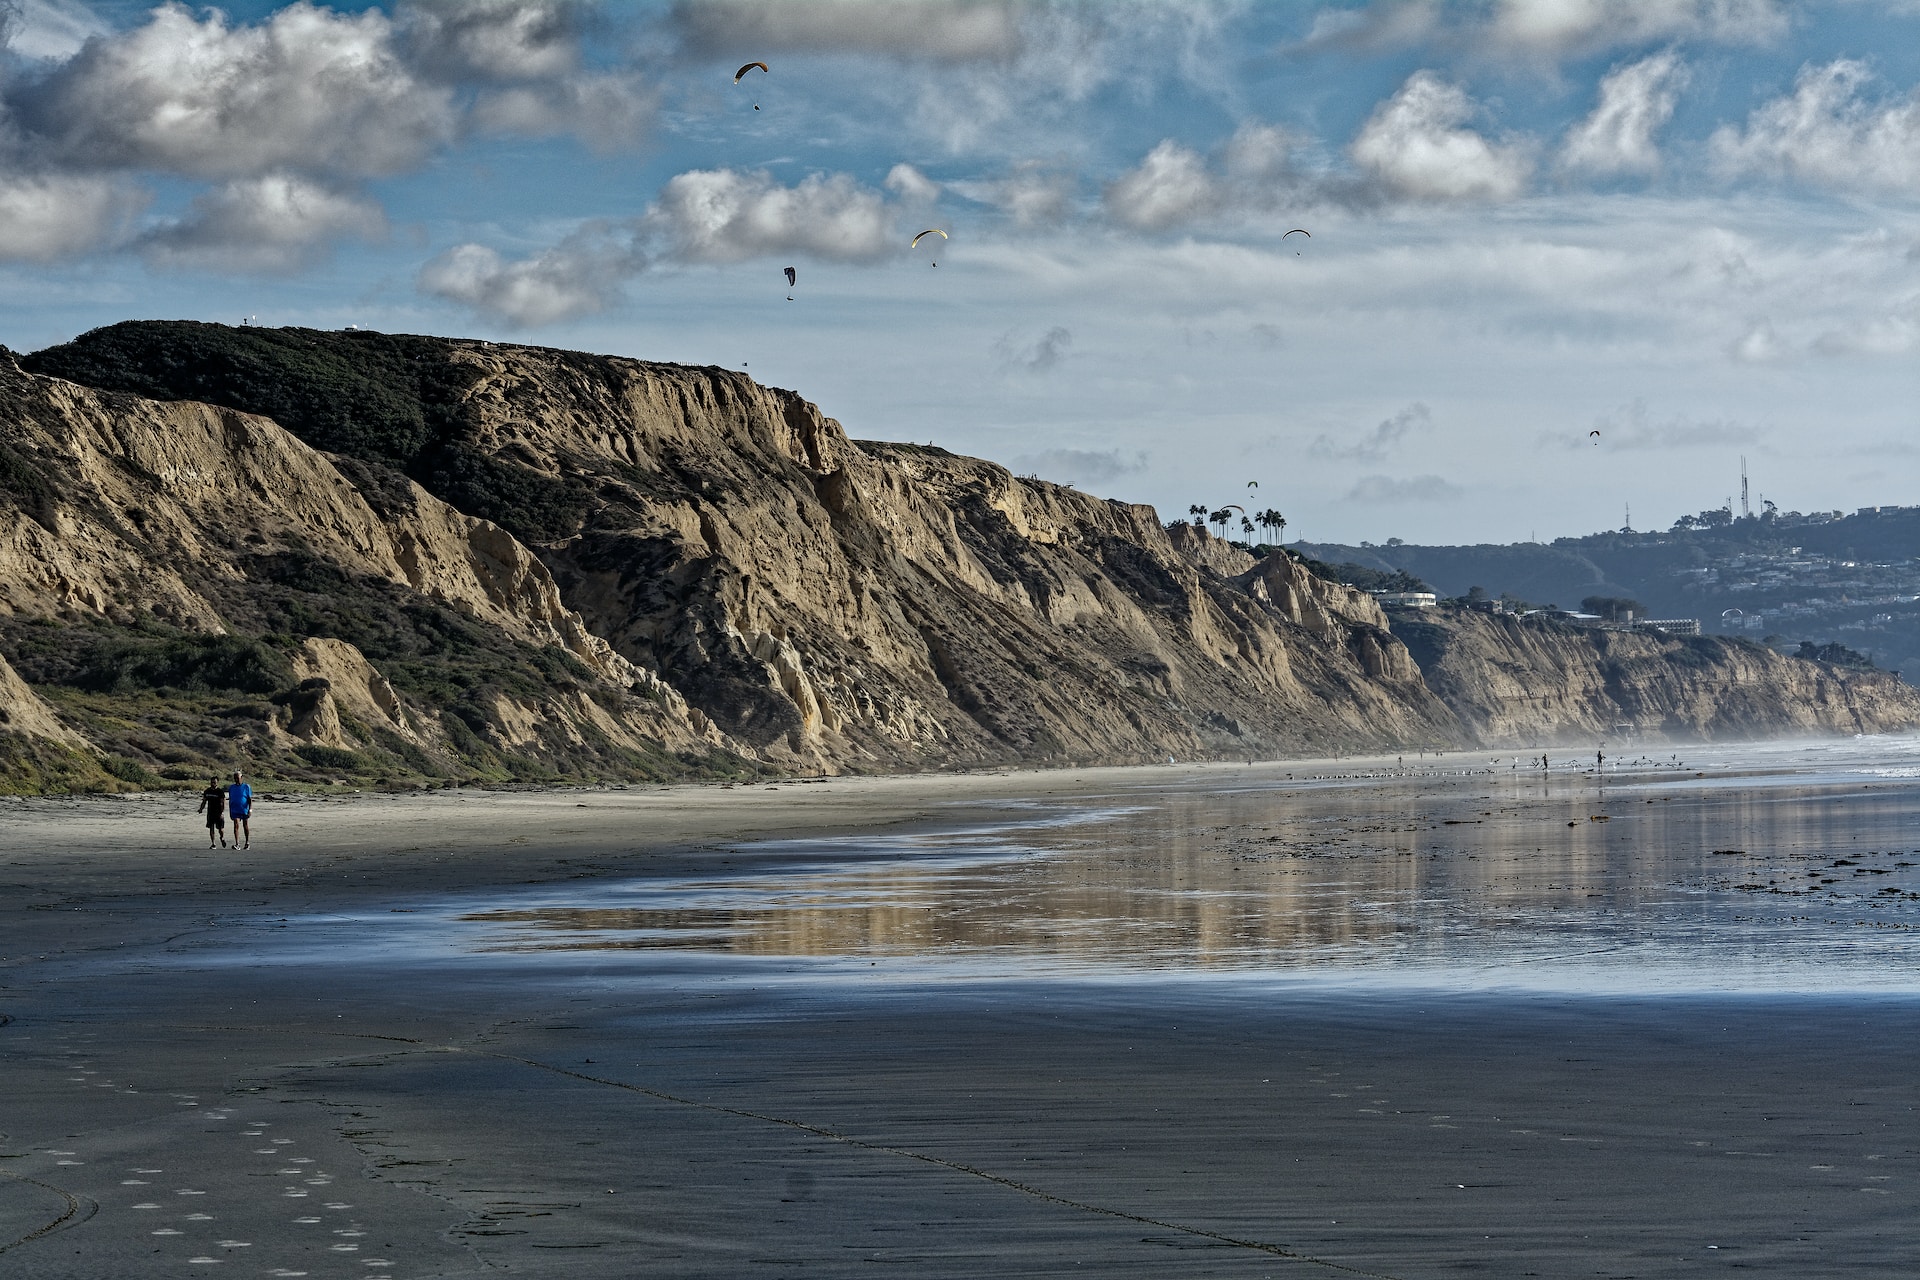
[190,662]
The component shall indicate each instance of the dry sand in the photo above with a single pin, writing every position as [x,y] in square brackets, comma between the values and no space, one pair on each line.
[170,1111]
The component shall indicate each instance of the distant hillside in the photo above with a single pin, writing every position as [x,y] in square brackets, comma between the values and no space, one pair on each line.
[1852,579]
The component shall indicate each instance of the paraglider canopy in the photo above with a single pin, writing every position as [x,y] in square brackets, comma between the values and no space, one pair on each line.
[750,66]
[930,231]
[790,277]
[1299,231]
[1595,437]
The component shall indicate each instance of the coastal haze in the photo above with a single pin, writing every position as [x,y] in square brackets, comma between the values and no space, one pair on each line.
[965,638]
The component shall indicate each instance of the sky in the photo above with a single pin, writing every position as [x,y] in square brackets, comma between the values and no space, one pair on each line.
[1690,225]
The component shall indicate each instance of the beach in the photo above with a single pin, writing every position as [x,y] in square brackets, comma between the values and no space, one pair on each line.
[1371,1017]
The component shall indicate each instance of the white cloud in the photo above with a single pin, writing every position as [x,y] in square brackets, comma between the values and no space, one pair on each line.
[1081,466]
[526,56]
[1386,489]
[48,216]
[946,30]
[308,89]
[608,111]
[1887,335]
[1038,356]
[1026,90]
[1827,132]
[1033,194]
[910,184]
[1379,442]
[1636,101]
[1560,28]
[1171,185]
[1391,24]
[272,225]
[583,274]
[1415,143]
[1633,429]
[51,30]
[1174,184]
[500,40]
[704,216]
[722,215]
[1760,343]
[1543,29]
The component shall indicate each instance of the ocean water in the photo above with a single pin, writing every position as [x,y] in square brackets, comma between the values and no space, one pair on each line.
[1779,867]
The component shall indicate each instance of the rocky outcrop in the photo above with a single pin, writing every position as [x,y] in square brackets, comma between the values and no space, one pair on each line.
[1532,682]
[23,712]
[169,514]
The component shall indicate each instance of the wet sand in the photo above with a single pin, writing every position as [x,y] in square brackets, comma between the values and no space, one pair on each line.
[698,1113]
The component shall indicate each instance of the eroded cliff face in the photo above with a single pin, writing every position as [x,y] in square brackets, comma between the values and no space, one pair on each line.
[1525,682]
[146,521]
[833,604]
[735,581]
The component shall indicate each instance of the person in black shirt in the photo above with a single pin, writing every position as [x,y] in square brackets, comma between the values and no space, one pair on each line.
[214,801]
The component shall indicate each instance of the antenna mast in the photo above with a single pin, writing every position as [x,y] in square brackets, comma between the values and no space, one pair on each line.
[1745,510]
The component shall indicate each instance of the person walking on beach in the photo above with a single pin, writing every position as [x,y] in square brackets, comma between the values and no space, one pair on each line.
[214,802]
[240,808]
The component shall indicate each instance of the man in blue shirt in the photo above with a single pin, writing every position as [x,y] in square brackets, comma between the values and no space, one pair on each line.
[240,809]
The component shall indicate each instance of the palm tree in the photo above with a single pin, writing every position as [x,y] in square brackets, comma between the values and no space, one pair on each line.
[1273,520]
[1220,518]
[1198,512]
[1246,526]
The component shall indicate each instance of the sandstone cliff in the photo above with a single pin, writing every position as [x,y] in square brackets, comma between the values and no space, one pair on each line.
[710,576]
[359,556]
[1531,682]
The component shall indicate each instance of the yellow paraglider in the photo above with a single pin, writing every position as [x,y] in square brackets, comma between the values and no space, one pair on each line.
[930,231]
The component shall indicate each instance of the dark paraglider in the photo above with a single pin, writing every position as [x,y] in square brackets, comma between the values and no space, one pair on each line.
[750,66]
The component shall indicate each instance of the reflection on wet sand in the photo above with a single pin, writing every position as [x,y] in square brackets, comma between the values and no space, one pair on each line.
[1457,873]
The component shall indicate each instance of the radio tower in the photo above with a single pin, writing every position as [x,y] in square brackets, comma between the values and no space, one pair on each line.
[1745,510]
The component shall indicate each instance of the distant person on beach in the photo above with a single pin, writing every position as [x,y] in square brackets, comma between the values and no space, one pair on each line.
[214,802]
[240,806]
